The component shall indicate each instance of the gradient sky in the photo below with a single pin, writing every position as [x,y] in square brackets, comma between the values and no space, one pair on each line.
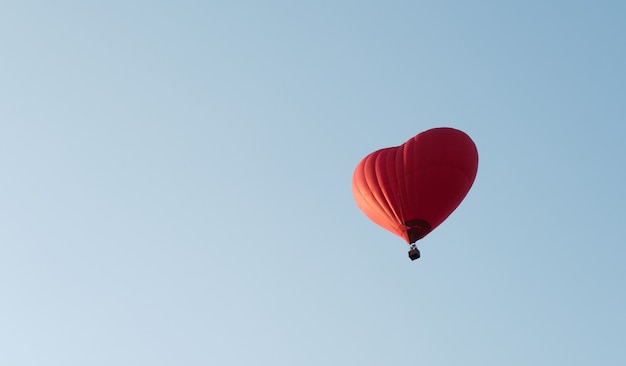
[176,183]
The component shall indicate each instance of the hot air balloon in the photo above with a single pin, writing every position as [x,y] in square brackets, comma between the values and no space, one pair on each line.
[412,188]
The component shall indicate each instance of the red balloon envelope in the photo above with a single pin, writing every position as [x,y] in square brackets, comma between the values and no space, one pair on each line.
[412,188]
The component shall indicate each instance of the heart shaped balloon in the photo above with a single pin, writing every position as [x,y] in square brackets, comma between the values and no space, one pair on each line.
[412,188]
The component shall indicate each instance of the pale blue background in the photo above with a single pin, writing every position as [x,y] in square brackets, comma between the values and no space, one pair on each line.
[175,183]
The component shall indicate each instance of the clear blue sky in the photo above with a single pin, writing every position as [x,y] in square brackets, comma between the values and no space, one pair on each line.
[175,183]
